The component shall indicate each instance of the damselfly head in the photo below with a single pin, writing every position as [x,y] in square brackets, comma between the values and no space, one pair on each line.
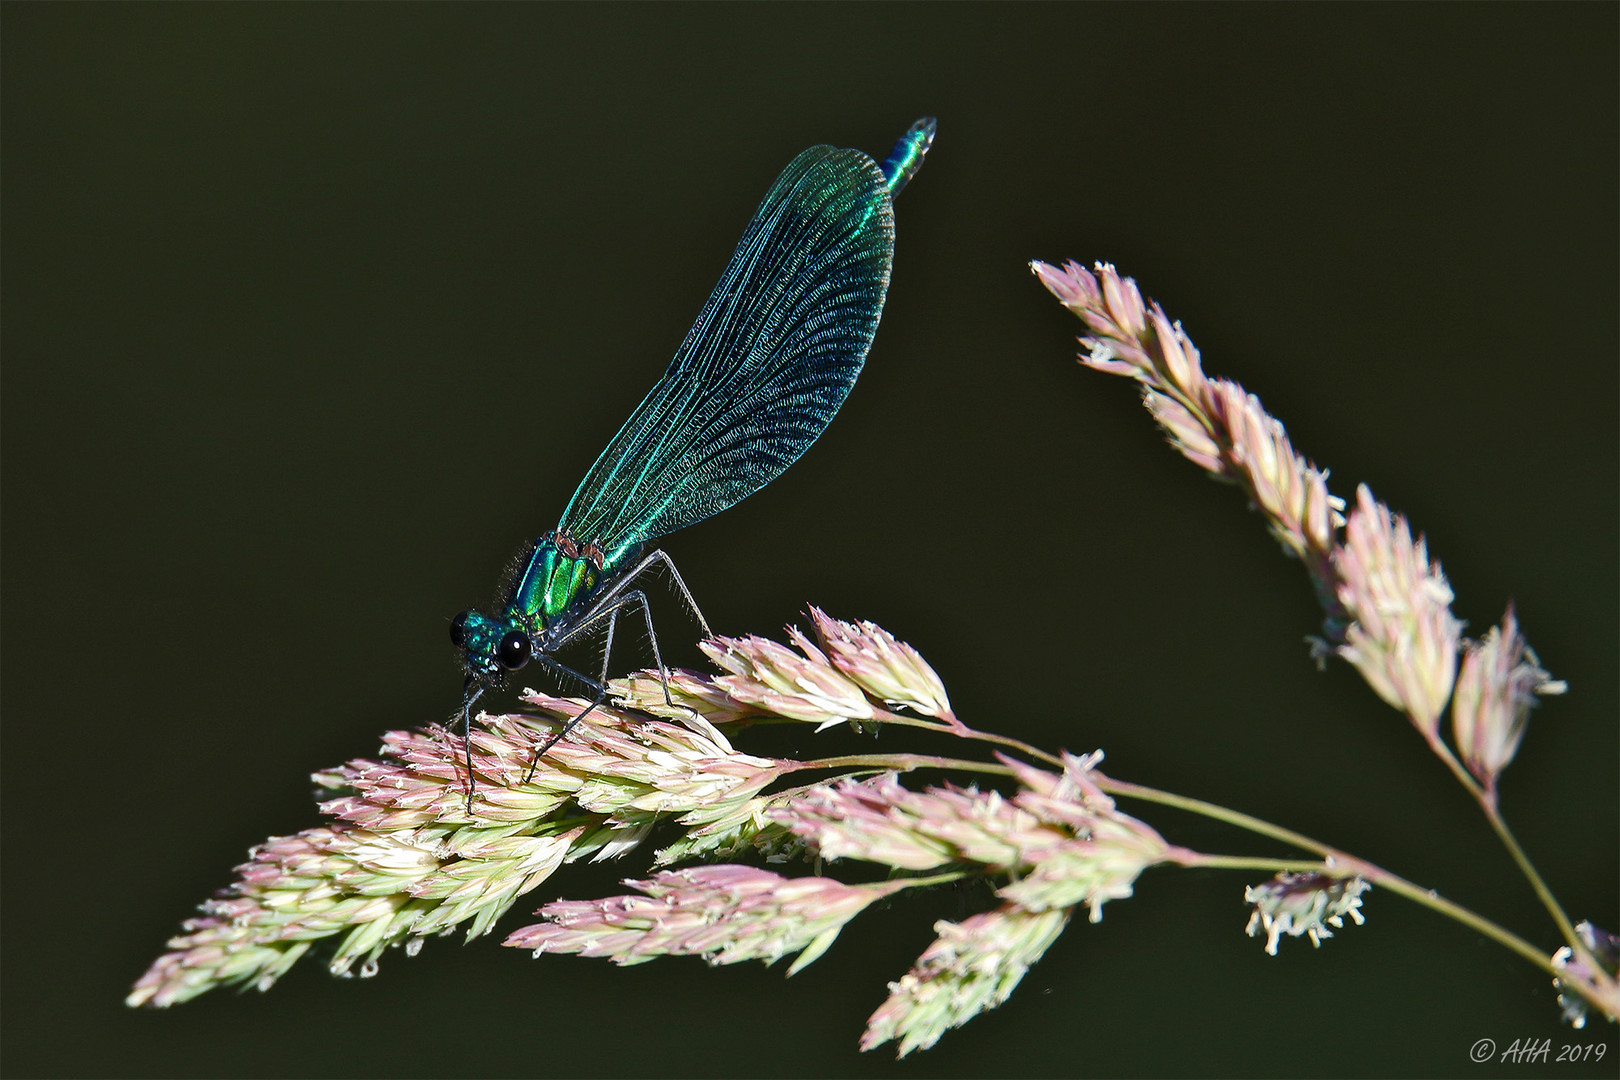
[489,647]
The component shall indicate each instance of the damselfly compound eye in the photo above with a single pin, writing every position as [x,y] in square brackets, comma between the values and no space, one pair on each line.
[514,650]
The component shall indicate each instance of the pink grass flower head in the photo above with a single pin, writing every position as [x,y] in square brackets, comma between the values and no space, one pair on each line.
[785,683]
[1403,638]
[725,914]
[1291,492]
[626,763]
[972,966]
[1387,608]
[404,859]
[1127,336]
[1303,904]
[689,691]
[879,820]
[883,666]
[1109,851]
[1497,686]
[369,891]
[1215,424]
[1060,837]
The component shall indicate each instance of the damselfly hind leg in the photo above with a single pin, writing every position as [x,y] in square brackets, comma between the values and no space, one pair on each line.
[652,635]
[685,594]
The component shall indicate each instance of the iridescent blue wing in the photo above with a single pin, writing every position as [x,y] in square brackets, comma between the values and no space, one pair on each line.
[766,365]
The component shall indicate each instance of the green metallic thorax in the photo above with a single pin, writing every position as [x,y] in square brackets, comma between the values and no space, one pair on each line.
[554,585]
[550,585]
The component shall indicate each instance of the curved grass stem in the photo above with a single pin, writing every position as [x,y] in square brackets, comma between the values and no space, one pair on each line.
[961,730]
[1525,867]
[902,763]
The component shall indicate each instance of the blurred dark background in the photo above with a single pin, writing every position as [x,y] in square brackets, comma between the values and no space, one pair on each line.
[314,313]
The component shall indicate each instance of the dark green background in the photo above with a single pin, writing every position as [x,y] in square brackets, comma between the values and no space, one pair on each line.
[314,313]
